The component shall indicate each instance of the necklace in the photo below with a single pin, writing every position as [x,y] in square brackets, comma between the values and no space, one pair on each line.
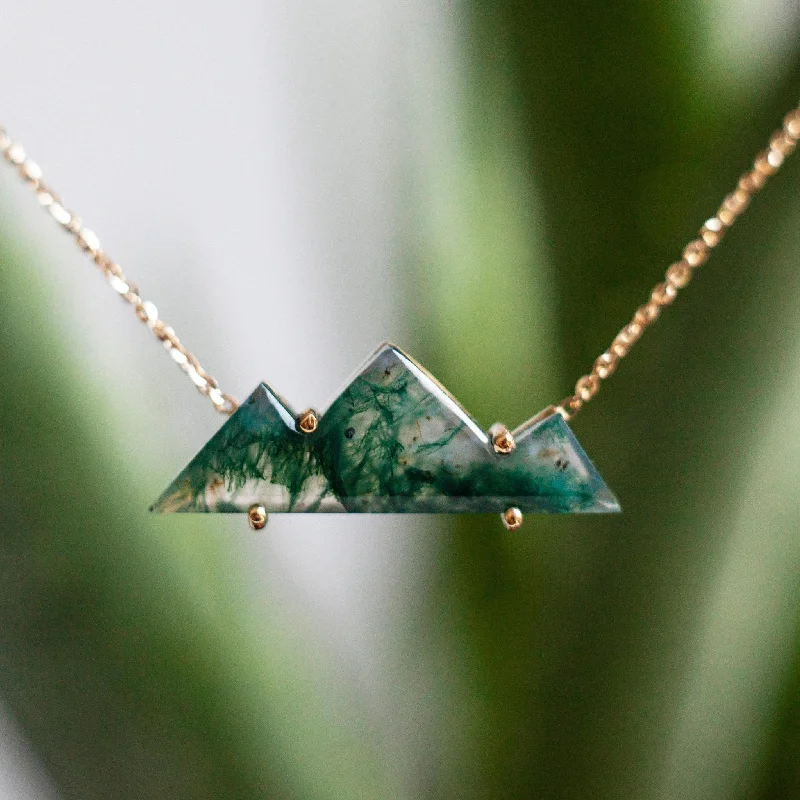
[395,440]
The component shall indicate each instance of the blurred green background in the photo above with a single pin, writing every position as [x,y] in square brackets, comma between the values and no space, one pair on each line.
[652,655]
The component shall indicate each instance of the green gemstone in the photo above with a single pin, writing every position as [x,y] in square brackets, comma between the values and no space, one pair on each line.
[393,441]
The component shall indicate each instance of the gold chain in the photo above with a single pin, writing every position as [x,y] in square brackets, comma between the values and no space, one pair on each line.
[696,253]
[206,384]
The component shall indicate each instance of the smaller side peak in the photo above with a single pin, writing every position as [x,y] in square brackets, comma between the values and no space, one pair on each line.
[263,397]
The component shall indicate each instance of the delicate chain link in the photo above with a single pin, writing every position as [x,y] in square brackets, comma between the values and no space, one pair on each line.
[206,384]
[696,253]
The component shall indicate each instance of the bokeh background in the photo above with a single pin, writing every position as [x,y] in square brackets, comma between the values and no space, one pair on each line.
[495,185]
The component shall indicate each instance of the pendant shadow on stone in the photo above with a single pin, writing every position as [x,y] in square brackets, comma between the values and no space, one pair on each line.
[394,441]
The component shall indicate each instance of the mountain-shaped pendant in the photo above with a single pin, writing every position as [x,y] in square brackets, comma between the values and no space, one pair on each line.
[394,441]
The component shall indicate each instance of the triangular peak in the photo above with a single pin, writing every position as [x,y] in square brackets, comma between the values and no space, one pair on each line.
[386,357]
[265,396]
[384,352]
[394,440]
[389,357]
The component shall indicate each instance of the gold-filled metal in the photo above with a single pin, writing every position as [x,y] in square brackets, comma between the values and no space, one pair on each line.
[695,254]
[307,421]
[206,384]
[512,519]
[257,517]
[781,144]
[502,439]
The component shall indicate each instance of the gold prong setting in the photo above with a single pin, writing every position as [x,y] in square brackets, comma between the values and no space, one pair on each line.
[502,439]
[257,517]
[307,421]
[512,519]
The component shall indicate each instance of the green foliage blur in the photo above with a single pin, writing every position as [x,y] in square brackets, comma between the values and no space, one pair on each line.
[651,655]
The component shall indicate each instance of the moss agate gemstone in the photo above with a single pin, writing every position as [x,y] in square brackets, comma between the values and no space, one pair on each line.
[393,441]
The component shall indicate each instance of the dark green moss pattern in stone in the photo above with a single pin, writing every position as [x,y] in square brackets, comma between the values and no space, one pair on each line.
[393,441]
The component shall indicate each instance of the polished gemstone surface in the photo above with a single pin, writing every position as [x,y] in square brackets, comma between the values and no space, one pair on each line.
[393,441]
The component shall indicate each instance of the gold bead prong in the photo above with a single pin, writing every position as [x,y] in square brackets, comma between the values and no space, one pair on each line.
[257,517]
[512,519]
[307,421]
[502,439]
